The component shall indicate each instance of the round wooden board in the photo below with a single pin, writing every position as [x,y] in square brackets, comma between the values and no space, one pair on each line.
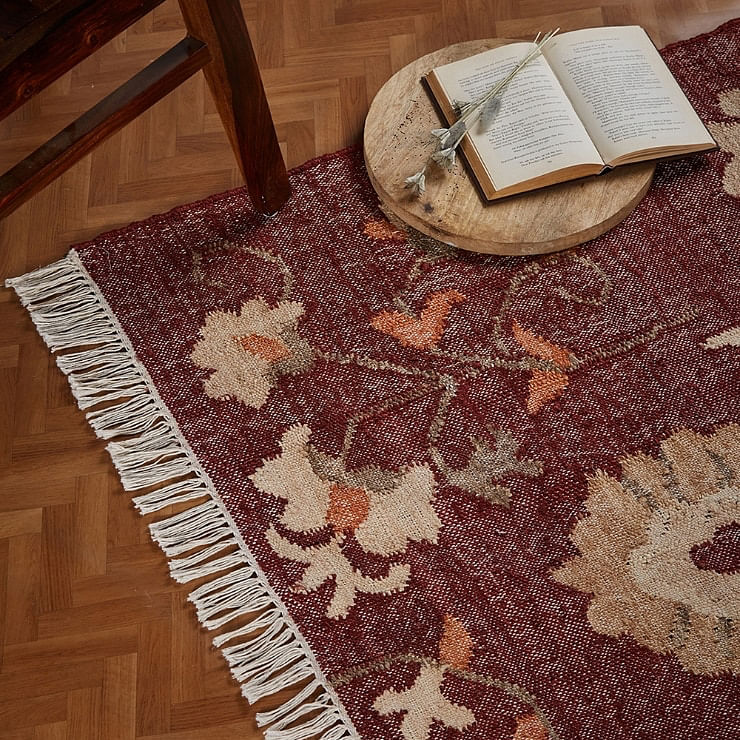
[398,142]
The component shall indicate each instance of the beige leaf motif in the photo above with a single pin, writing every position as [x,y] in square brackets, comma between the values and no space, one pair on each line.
[729,338]
[423,705]
[383,521]
[727,136]
[402,515]
[290,476]
[635,549]
[327,562]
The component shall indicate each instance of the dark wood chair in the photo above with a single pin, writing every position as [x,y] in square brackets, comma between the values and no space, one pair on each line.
[40,40]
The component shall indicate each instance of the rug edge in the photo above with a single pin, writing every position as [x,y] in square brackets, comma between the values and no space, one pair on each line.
[149,451]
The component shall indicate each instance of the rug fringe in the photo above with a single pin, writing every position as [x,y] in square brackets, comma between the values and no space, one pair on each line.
[267,654]
[175,493]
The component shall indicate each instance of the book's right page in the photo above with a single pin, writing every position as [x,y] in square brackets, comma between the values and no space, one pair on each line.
[629,102]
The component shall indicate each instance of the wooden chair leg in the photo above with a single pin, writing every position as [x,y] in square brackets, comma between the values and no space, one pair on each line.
[236,85]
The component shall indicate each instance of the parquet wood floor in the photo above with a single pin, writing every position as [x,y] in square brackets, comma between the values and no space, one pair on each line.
[97,642]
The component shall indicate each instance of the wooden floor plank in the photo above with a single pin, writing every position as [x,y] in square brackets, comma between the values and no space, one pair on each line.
[153,696]
[23,588]
[4,557]
[28,683]
[118,720]
[22,521]
[35,710]
[90,522]
[133,610]
[57,547]
[84,713]
[52,731]
[8,381]
[56,653]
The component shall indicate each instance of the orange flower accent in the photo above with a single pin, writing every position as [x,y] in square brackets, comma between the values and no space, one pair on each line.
[348,507]
[423,332]
[539,347]
[544,385]
[268,348]
[379,228]
[529,727]
[456,645]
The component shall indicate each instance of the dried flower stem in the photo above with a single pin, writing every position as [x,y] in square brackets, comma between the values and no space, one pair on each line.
[450,138]
[476,108]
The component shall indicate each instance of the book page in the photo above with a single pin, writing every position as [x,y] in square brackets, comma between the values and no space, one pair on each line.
[535,132]
[622,90]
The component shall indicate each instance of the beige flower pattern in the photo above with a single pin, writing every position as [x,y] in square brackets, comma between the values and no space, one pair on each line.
[248,351]
[384,511]
[423,703]
[636,550]
[727,136]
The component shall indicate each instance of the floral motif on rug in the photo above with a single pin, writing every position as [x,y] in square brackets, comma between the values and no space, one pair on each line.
[439,494]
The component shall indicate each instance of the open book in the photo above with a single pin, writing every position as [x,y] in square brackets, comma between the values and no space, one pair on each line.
[594,99]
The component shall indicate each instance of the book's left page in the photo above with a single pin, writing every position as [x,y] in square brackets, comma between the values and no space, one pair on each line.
[536,137]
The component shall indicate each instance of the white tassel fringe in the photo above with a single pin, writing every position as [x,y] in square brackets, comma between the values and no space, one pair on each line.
[266,655]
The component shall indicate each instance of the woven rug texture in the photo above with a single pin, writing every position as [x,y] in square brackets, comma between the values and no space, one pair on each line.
[443,495]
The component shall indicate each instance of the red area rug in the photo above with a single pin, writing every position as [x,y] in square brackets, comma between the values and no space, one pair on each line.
[443,495]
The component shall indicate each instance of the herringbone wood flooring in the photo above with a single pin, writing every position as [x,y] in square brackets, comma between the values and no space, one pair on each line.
[97,642]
